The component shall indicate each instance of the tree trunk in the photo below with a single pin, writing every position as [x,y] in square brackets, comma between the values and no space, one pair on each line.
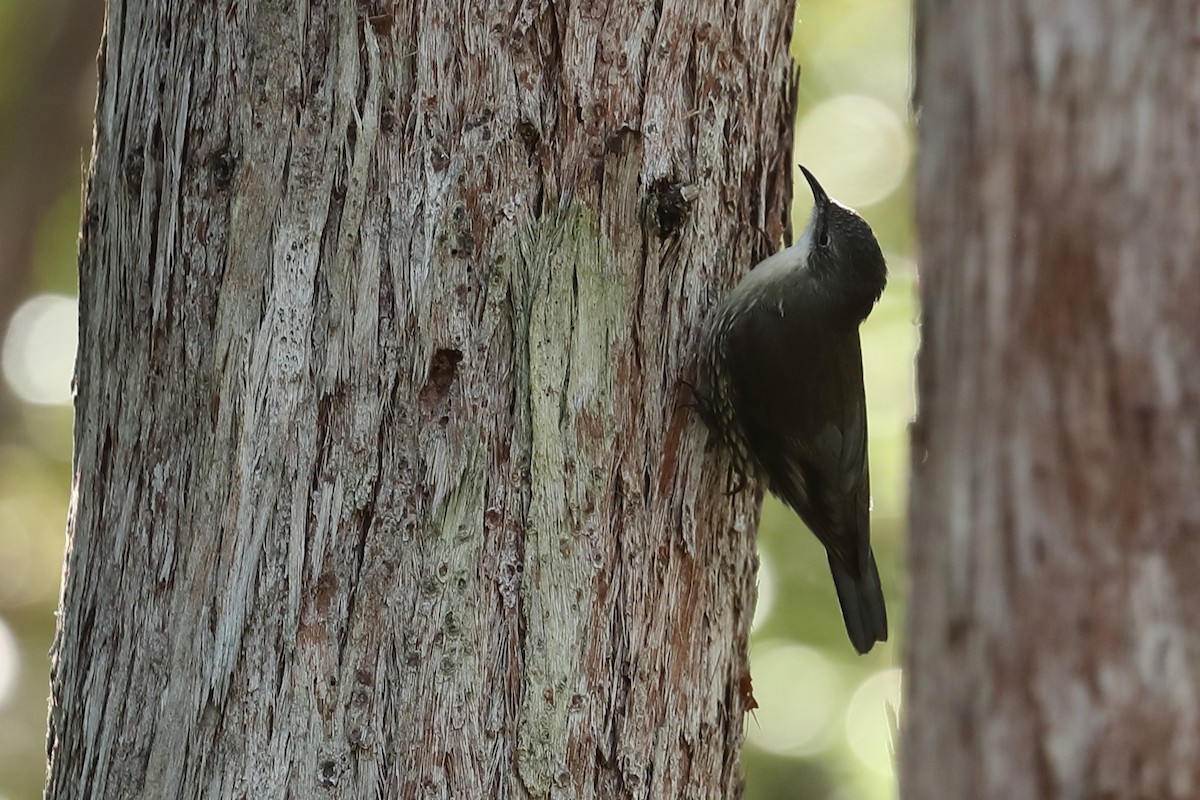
[383,485]
[1056,491]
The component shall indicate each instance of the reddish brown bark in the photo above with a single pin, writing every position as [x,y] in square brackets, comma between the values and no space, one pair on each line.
[382,485]
[1056,490]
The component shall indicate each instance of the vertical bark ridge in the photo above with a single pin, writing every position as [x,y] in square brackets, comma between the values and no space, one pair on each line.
[382,486]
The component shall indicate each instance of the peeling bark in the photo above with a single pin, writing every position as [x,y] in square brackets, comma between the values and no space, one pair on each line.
[383,483]
[1056,490]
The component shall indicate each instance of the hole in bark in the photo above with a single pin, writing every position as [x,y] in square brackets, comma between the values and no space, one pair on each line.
[328,773]
[223,166]
[443,368]
[529,136]
[671,207]
[620,140]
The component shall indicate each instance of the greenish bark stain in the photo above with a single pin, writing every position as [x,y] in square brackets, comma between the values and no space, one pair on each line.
[577,317]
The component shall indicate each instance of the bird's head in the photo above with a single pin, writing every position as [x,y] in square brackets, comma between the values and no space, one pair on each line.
[843,249]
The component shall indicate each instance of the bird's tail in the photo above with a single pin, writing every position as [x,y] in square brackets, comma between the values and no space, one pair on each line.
[861,598]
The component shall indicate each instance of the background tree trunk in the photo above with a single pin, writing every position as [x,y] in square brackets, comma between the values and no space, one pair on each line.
[382,484]
[1056,491]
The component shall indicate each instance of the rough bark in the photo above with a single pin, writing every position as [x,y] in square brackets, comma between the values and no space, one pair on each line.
[1056,491]
[382,483]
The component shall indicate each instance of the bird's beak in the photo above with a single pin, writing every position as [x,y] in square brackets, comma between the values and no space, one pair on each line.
[820,199]
[818,235]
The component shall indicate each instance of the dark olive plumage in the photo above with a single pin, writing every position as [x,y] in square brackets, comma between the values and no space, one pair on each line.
[781,387]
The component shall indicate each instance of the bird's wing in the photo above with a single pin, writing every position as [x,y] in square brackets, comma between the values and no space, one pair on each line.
[807,427]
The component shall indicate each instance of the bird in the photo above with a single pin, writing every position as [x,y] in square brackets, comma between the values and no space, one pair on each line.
[780,388]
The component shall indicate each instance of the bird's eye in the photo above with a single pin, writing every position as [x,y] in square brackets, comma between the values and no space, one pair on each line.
[823,238]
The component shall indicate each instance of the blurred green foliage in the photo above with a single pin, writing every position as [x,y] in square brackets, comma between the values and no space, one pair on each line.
[854,130]
[47,73]
[855,52]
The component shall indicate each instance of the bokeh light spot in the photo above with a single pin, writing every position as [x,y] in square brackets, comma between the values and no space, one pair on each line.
[858,148]
[10,663]
[39,349]
[870,720]
[766,591]
[805,693]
